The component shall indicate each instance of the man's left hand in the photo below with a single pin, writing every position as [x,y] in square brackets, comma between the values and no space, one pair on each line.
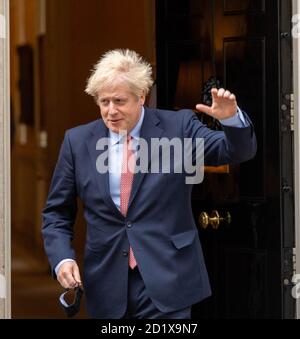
[223,106]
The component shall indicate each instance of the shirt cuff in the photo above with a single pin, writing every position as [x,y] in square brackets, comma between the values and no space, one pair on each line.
[60,263]
[238,120]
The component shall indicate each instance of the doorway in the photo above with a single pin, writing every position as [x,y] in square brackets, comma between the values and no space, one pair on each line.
[54,45]
[245,212]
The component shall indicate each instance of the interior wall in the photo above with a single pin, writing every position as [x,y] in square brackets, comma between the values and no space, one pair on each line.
[77,35]
[73,37]
[26,152]
[23,30]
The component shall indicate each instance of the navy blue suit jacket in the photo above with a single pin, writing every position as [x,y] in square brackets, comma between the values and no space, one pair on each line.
[159,224]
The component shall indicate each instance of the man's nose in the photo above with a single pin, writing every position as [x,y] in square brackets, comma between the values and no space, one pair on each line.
[112,108]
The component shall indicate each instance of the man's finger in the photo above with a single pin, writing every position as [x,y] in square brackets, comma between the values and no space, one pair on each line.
[221,92]
[69,281]
[214,93]
[205,109]
[227,94]
[76,274]
[66,282]
[232,97]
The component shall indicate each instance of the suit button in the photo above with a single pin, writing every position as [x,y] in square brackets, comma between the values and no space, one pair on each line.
[125,253]
[129,224]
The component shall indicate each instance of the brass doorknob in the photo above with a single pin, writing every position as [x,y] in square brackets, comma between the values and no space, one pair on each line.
[214,220]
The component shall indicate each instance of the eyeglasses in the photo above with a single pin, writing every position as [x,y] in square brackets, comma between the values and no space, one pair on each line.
[70,301]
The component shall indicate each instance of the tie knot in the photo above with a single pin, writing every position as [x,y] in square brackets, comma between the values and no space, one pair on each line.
[129,137]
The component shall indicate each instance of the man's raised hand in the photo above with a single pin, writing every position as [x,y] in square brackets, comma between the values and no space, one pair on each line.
[224,104]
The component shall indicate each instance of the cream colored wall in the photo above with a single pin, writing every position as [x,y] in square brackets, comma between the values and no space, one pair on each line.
[76,36]
[24,29]
[4,165]
[29,186]
[24,153]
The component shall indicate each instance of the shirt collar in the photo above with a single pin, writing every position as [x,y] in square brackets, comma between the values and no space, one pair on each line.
[135,133]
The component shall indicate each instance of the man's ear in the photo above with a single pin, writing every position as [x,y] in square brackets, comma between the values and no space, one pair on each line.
[142,99]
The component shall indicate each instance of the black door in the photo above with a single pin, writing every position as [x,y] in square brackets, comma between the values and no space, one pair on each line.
[244,212]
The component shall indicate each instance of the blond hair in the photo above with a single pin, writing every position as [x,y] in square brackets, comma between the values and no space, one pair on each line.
[117,66]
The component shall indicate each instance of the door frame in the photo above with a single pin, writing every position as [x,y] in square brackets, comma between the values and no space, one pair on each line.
[296,75]
[5,212]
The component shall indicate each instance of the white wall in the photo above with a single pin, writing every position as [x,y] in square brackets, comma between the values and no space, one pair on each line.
[5,311]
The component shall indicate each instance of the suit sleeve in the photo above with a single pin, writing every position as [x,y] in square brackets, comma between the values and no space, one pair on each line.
[232,145]
[61,207]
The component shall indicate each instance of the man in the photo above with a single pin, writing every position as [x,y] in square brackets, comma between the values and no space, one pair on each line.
[143,257]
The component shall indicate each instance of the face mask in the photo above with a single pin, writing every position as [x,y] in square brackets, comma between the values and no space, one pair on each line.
[72,307]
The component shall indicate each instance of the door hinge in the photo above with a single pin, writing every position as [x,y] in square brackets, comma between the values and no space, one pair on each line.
[289,274]
[288,113]
[292,108]
[294,261]
[288,265]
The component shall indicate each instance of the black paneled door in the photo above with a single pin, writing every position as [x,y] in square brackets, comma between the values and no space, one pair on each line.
[244,212]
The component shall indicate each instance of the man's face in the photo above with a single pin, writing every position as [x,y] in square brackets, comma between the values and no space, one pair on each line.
[120,108]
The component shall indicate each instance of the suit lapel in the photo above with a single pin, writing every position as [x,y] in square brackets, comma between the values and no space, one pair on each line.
[101,131]
[149,130]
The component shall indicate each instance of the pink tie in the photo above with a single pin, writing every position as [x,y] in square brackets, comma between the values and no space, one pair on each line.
[128,165]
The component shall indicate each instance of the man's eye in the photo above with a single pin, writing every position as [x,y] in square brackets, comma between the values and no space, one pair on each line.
[104,102]
[120,101]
